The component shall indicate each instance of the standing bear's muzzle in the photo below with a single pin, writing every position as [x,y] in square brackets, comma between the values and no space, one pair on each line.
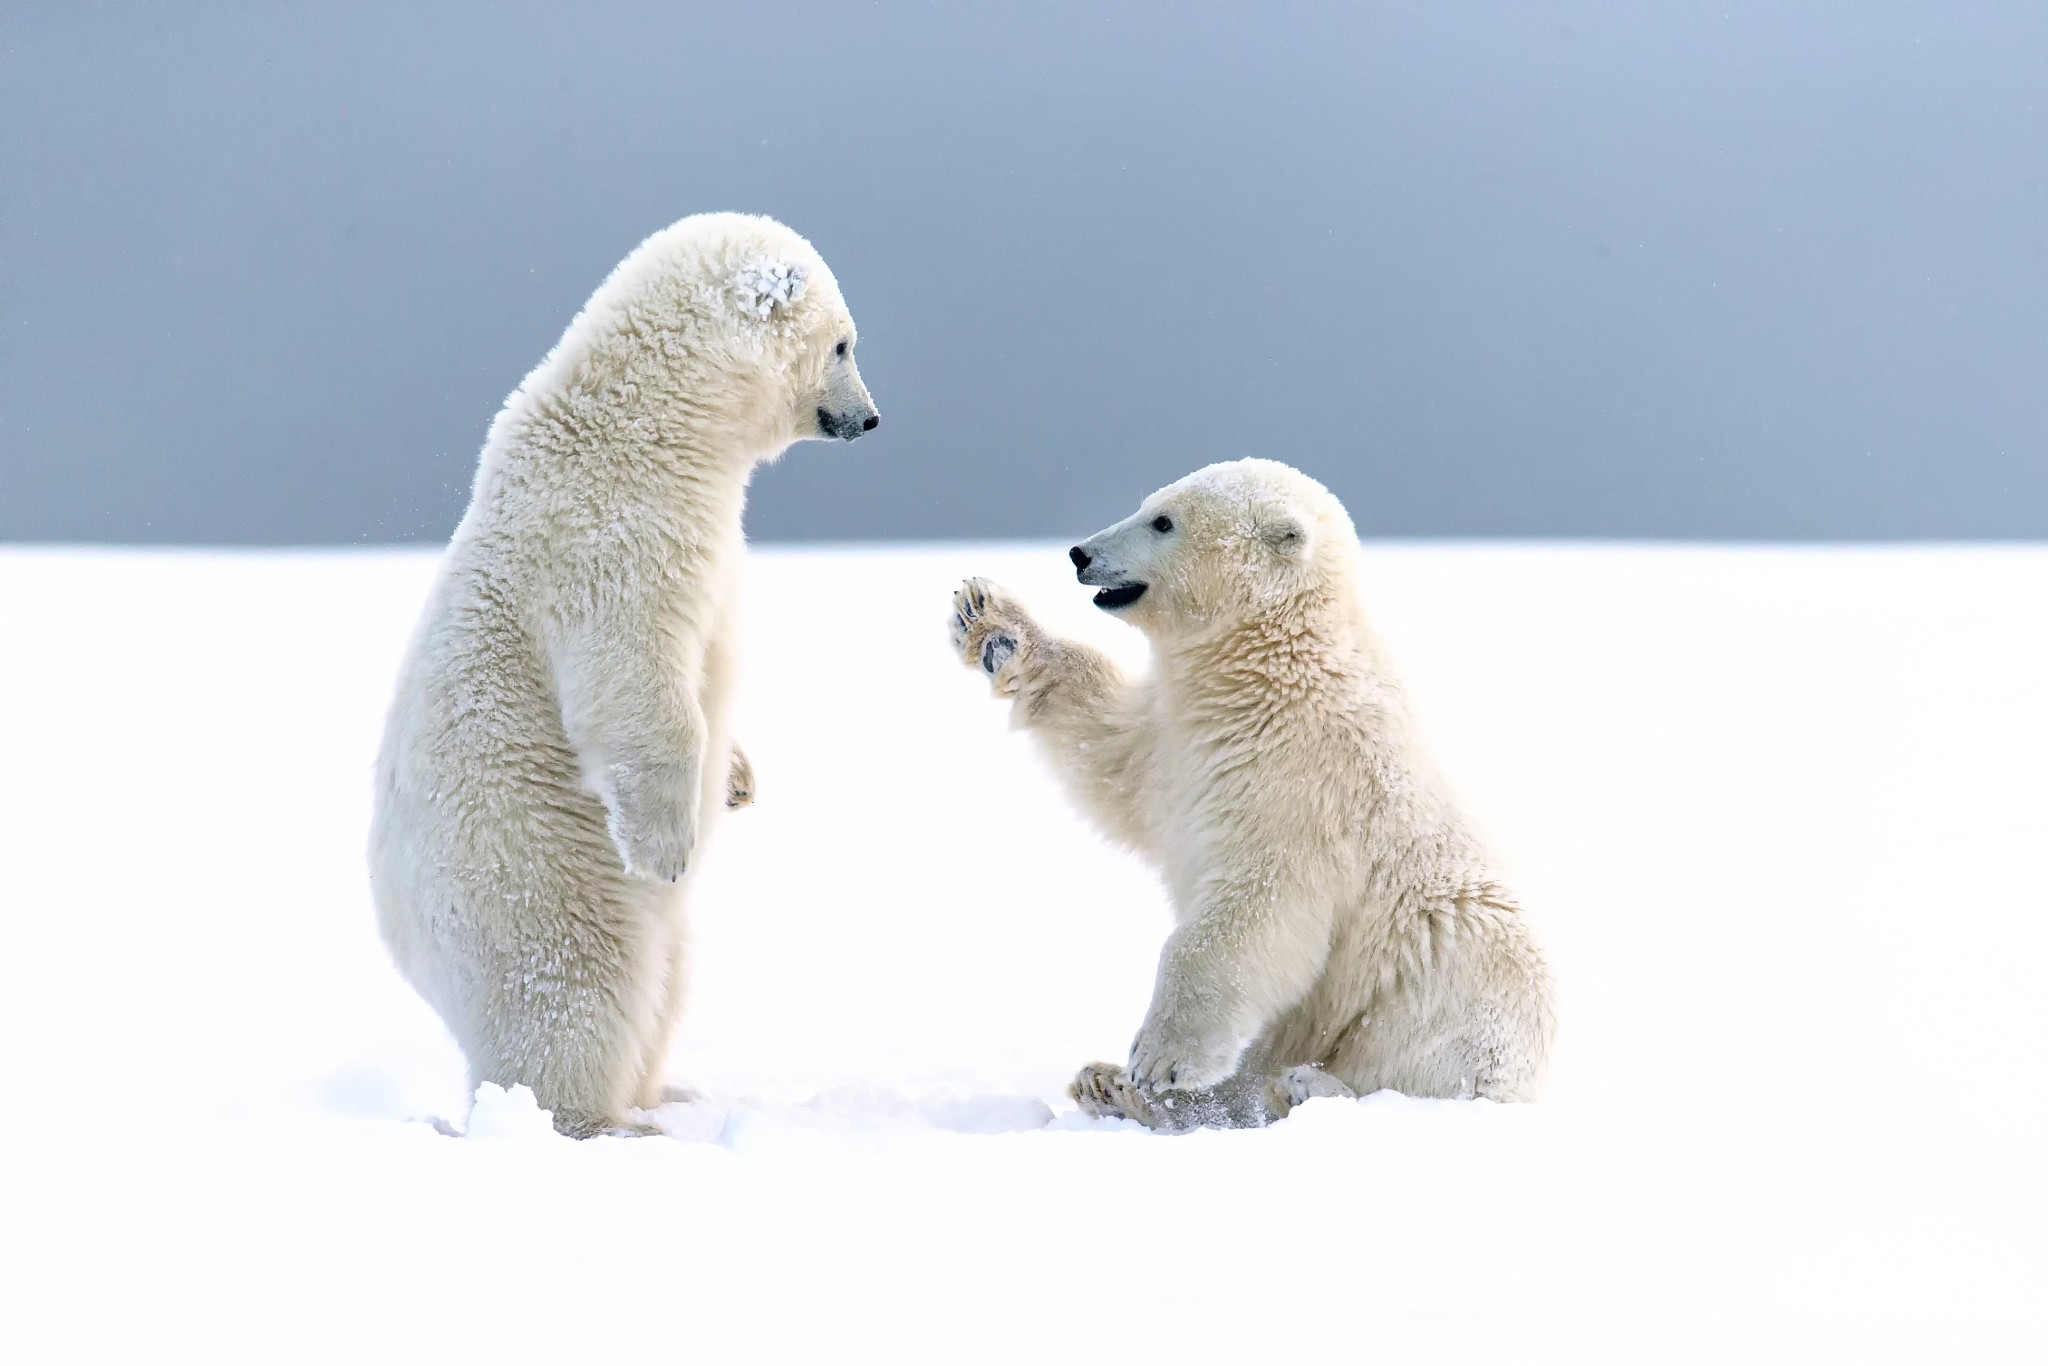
[848,426]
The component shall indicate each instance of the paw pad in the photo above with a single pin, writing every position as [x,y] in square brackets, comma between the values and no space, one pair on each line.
[996,651]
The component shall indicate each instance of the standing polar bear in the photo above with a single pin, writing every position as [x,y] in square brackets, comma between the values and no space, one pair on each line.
[558,741]
[1337,924]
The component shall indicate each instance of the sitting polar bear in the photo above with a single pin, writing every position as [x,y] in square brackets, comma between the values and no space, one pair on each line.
[1338,926]
[558,740]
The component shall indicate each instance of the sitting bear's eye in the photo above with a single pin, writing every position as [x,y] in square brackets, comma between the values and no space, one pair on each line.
[839,350]
[1162,525]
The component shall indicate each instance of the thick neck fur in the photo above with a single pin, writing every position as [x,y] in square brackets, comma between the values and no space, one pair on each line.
[1302,653]
[629,450]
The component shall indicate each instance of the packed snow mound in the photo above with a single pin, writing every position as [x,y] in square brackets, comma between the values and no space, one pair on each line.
[499,1115]
[1778,812]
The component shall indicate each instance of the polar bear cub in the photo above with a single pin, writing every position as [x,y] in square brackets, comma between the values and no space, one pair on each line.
[1338,925]
[558,741]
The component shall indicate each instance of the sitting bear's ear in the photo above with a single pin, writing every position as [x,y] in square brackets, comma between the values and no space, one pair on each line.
[763,286]
[1284,532]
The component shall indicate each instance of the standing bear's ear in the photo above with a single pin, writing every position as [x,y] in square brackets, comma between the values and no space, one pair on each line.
[764,285]
[1282,530]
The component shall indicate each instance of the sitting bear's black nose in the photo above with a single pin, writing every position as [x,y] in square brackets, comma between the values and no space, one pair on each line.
[1080,558]
[874,421]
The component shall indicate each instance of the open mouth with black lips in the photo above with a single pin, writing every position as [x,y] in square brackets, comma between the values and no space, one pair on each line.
[1119,595]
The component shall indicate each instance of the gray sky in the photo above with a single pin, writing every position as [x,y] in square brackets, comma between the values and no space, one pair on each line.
[1729,270]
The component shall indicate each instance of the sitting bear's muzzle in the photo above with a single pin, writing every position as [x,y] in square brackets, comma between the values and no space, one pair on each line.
[1119,589]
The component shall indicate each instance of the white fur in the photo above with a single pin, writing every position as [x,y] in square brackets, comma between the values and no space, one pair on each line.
[558,740]
[1338,923]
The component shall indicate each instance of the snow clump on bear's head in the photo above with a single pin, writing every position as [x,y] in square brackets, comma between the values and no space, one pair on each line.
[766,284]
[1224,545]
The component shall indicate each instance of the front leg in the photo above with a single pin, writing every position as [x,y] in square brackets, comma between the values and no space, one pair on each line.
[638,733]
[651,808]
[1194,1033]
[993,633]
[1253,949]
[1068,694]
[1089,722]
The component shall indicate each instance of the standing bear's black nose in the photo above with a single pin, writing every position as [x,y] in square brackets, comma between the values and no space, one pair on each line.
[1080,558]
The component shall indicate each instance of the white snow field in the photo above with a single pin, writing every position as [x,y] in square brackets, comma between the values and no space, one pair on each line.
[1779,812]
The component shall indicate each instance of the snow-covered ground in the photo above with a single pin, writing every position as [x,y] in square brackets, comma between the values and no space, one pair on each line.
[1780,813]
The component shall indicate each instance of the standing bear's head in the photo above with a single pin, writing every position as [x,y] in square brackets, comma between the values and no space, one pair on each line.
[734,322]
[1228,543]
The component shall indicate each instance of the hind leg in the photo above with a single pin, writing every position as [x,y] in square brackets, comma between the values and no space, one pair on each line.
[1478,1050]
[578,1052]
[652,1090]
[567,1006]
[583,1078]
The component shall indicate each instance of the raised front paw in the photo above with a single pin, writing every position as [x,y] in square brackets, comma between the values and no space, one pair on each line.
[1172,1055]
[651,815]
[739,781]
[989,631]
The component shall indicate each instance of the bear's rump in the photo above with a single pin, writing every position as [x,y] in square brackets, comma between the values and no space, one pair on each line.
[1449,1025]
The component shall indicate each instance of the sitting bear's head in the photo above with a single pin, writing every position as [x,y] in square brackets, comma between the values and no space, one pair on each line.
[1224,545]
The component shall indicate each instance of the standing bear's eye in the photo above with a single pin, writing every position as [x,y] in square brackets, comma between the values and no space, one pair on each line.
[839,350]
[1162,525]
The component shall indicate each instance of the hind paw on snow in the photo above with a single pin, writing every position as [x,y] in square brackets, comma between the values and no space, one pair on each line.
[1309,1082]
[668,1093]
[583,1124]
